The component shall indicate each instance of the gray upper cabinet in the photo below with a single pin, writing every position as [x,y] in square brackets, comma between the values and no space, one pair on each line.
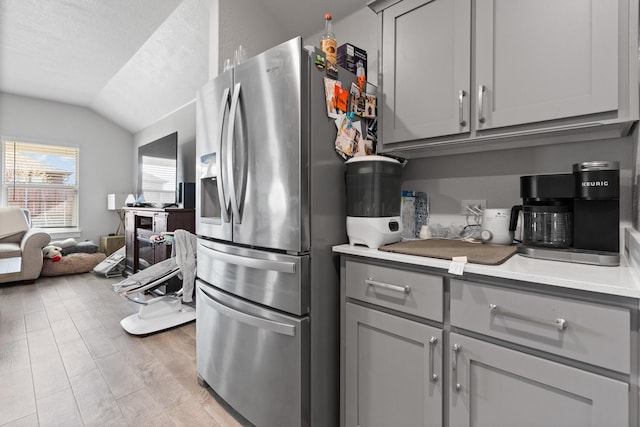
[427,54]
[492,386]
[544,60]
[469,75]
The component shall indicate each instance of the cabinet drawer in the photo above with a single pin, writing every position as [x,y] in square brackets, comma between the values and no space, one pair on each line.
[584,331]
[410,292]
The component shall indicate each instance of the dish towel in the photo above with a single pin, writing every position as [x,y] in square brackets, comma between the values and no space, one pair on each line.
[186,249]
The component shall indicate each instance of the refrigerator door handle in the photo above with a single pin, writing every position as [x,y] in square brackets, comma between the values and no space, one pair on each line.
[230,160]
[258,322]
[224,199]
[256,263]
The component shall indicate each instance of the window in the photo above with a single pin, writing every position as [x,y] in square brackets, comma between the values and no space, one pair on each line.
[158,179]
[44,179]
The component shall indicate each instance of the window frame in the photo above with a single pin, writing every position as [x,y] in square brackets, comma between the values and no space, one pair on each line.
[74,227]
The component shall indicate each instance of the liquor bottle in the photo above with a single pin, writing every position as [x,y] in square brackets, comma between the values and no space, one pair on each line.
[328,43]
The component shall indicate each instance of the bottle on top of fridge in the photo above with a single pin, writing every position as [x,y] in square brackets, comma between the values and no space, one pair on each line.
[328,43]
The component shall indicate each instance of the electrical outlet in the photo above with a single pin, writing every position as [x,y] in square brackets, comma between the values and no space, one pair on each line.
[482,204]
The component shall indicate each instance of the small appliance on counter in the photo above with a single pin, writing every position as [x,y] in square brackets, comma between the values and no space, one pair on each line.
[373,192]
[572,217]
[496,227]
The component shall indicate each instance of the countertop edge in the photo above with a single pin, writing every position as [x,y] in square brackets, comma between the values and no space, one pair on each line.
[623,280]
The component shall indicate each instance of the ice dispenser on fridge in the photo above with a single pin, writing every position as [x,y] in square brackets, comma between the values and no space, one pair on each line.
[373,191]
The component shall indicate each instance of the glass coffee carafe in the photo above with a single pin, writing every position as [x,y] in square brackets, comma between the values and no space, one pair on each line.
[548,226]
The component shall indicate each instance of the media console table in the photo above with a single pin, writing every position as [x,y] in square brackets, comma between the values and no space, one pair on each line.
[141,224]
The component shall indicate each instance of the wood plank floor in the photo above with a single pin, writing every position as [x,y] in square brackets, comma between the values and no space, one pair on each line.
[65,361]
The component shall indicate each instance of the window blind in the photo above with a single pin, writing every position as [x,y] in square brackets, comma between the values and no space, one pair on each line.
[159,179]
[44,179]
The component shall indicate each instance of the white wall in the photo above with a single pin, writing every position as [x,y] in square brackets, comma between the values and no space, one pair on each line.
[182,121]
[359,29]
[242,22]
[232,19]
[494,176]
[106,164]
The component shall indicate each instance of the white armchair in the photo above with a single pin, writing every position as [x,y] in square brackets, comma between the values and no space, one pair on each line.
[20,246]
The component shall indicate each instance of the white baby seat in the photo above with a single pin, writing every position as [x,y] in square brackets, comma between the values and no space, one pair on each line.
[164,311]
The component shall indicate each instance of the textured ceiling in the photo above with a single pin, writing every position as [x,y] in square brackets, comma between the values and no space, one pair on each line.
[132,61]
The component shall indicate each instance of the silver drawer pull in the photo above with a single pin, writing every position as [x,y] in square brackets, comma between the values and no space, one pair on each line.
[560,324]
[432,345]
[461,95]
[454,366]
[403,289]
[481,117]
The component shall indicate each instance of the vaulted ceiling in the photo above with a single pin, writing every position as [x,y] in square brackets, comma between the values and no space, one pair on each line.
[132,61]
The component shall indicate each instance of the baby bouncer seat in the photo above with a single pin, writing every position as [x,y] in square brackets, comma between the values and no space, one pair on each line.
[166,310]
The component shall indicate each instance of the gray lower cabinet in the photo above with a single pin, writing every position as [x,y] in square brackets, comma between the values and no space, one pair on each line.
[393,370]
[426,349]
[492,386]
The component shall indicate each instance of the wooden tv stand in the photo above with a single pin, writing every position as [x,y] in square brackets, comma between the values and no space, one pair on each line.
[142,223]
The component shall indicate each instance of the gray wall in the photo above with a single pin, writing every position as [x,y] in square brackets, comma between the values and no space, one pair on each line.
[358,29]
[494,176]
[635,179]
[109,153]
[241,22]
[106,164]
[182,121]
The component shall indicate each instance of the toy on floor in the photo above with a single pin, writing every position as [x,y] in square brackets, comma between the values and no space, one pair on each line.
[54,253]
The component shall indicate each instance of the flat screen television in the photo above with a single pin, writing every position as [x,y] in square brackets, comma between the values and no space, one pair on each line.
[158,170]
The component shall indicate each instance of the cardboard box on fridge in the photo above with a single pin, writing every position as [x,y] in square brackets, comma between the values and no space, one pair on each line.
[349,55]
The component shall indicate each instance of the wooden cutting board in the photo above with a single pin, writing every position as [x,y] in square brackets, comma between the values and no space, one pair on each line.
[477,253]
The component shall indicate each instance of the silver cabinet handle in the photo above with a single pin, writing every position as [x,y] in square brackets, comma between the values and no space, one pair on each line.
[481,90]
[432,345]
[560,324]
[454,366]
[461,95]
[403,289]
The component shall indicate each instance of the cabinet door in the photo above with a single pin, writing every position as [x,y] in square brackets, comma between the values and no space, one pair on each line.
[425,69]
[393,370]
[502,387]
[544,59]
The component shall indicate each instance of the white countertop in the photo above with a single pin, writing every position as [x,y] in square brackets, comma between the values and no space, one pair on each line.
[620,281]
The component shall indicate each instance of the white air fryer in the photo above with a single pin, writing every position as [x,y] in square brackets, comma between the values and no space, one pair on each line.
[373,190]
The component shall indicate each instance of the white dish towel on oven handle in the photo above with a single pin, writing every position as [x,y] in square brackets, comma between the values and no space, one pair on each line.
[185,254]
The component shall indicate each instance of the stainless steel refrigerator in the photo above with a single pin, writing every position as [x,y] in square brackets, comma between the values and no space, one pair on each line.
[270,205]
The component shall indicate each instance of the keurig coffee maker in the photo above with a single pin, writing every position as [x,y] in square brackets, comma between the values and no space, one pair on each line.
[572,217]
[373,196]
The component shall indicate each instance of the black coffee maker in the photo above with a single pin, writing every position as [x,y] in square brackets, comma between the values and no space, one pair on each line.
[572,217]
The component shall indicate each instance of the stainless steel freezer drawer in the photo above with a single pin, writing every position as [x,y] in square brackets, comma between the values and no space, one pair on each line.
[276,280]
[257,360]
